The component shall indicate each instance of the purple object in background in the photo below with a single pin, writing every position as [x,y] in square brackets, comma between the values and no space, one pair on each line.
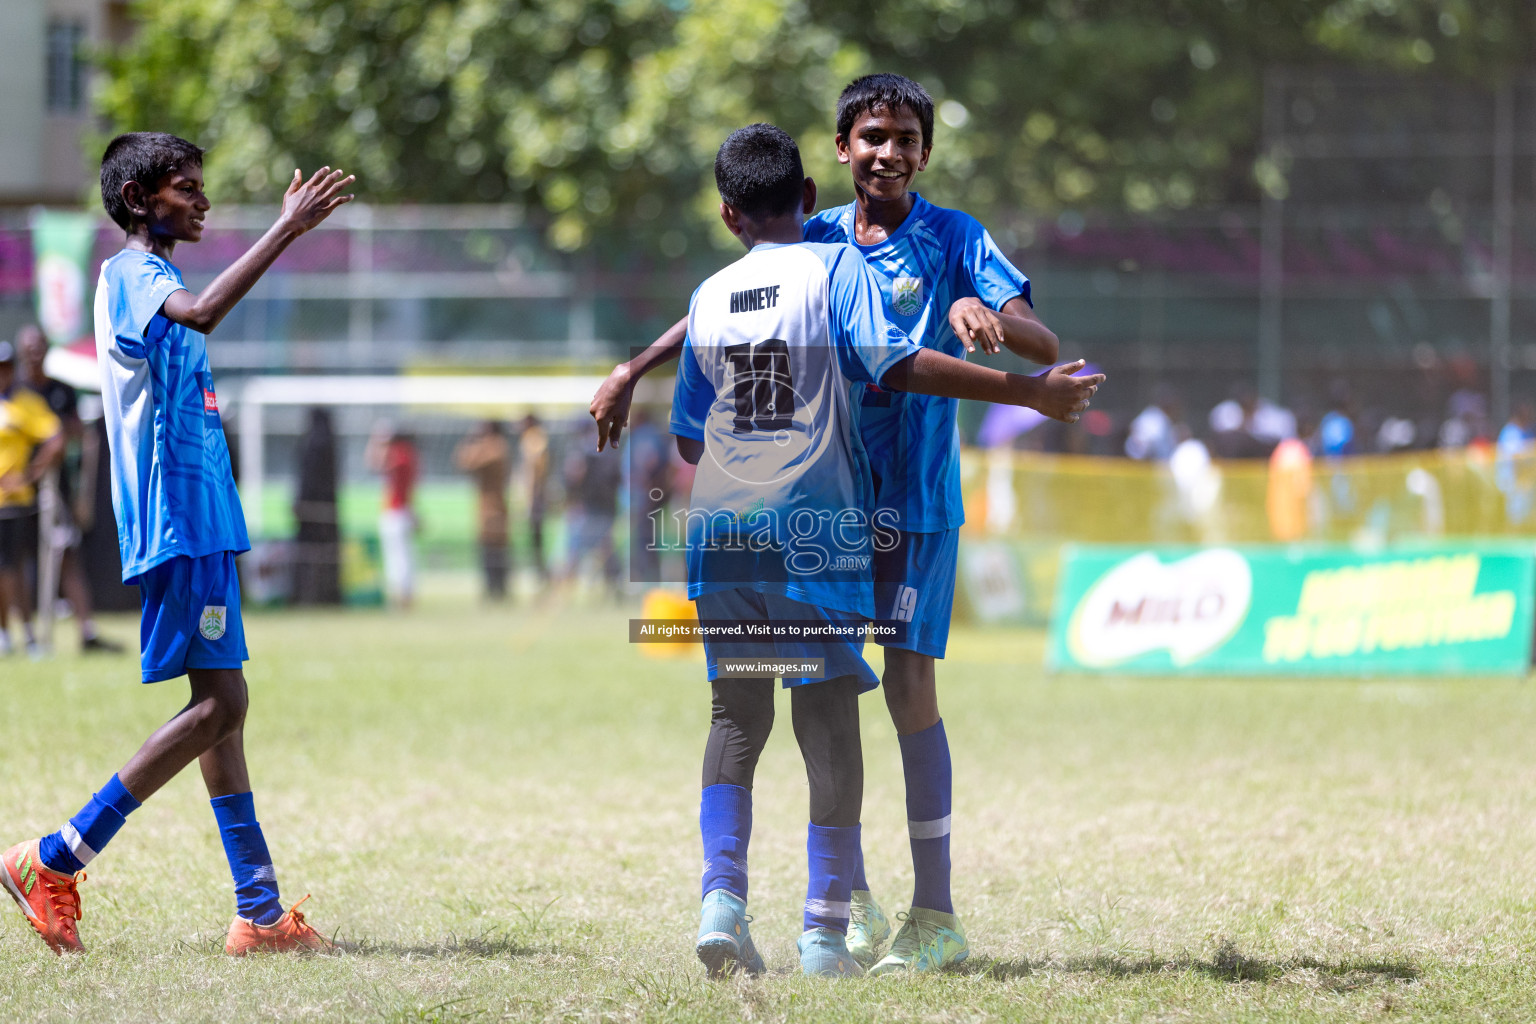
[1003,423]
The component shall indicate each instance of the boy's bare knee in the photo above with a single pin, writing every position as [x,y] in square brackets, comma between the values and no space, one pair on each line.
[233,707]
[911,694]
[222,701]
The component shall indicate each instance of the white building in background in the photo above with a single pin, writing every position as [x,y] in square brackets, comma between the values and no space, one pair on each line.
[45,79]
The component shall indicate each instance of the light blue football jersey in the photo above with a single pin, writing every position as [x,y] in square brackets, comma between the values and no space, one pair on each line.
[778,344]
[936,257]
[172,487]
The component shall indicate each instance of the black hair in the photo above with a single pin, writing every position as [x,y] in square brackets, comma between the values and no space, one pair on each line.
[887,92]
[144,157]
[758,171]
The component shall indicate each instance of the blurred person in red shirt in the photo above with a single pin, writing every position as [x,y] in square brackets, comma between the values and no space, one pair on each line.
[392,453]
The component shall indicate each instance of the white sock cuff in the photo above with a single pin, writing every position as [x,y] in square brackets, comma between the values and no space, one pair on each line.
[935,829]
[72,839]
[828,908]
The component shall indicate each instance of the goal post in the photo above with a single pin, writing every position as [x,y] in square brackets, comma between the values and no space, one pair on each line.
[547,395]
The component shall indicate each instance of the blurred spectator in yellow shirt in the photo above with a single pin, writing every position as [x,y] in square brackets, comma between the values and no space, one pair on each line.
[31,443]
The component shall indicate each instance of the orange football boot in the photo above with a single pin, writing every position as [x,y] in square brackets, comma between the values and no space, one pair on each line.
[48,898]
[286,934]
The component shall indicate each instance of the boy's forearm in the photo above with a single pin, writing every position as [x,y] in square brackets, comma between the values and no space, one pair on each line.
[1025,336]
[663,349]
[305,205]
[932,373]
[204,311]
[1030,339]
[610,406]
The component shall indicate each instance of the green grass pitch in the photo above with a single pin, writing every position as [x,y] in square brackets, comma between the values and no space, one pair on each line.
[496,811]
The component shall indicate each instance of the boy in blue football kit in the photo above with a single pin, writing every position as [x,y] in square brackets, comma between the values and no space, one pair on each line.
[945,283]
[179,529]
[780,532]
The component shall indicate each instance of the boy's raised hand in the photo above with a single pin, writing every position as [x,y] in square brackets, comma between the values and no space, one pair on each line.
[1062,396]
[307,203]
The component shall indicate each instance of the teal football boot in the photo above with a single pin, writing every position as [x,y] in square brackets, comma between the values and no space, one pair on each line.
[725,944]
[824,953]
[868,928]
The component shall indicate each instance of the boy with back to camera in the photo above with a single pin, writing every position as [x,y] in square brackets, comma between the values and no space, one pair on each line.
[780,526]
[179,529]
[945,282]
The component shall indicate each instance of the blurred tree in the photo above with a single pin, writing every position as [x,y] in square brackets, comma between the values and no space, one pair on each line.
[599,113]
[427,102]
[1140,105]
[605,114]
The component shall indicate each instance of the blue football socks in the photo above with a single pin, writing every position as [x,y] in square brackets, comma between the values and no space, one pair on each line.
[71,848]
[860,883]
[925,762]
[725,825]
[250,864]
[831,853]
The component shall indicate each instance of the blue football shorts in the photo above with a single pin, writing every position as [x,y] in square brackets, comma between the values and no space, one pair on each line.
[191,617]
[915,585]
[841,654]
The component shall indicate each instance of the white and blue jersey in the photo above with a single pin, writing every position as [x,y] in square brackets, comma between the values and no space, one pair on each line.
[172,486]
[777,344]
[936,257]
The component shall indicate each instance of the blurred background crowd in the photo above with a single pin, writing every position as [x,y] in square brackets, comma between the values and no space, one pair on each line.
[1281,227]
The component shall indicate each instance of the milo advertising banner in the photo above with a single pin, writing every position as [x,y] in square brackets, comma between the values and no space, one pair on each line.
[61,243]
[1276,611]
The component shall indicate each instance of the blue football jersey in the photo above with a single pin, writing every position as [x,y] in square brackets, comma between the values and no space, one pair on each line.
[782,500]
[172,487]
[936,257]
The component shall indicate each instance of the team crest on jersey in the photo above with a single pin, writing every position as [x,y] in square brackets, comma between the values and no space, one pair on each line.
[907,295]
[213,622]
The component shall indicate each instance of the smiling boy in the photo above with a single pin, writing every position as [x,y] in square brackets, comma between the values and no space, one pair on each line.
[948,286]
[179,528]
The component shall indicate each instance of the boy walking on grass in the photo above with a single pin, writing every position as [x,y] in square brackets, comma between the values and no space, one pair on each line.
[179,526]
[780,530]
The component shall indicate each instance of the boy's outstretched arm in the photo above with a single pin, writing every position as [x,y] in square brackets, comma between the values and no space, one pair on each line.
[305,204]
[610,406]
[1056,393]
[1014,327]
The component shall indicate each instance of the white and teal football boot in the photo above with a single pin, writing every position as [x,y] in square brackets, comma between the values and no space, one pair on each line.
[928,941]
[725,945]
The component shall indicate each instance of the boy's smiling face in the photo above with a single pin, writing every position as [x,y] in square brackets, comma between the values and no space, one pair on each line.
[884,150]
[174,211]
